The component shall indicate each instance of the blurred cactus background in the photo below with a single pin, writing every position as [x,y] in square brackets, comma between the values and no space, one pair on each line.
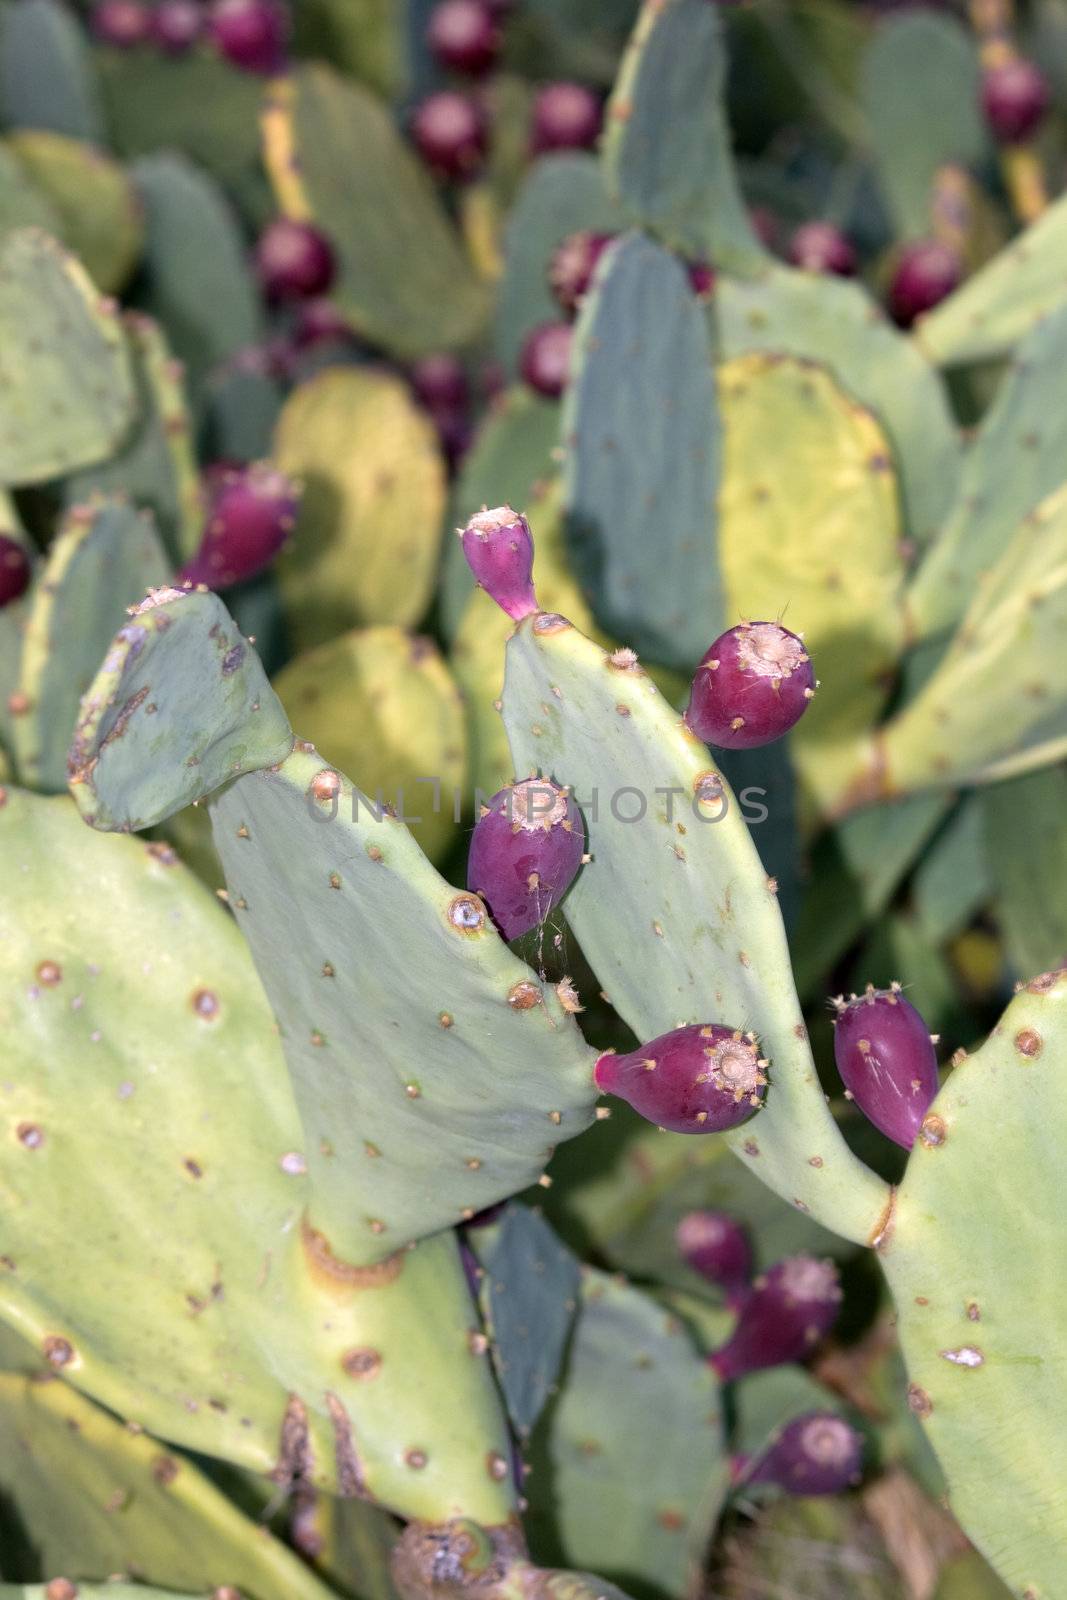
[346,1249]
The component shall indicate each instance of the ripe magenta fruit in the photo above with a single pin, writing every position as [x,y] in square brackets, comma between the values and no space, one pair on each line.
[701,278]
[499,551]
[716,1246]
[15,570]
[177,25]
[251,34]
[787,1311]
[121,23]
[570,270]
[450,134]
[251,514]
[820,247]
[698,1079]
[751,687]
[440,380]
[816,1453]
[545,358]
[525,852]
[463,36]
[294,260]
[886,1059]
[566,116]
[1015,98]
[926,273]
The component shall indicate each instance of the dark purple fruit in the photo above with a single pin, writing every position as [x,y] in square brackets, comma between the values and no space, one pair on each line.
[464,37]
[751,687]
[251,514]
[886,1059]
[701,278]
[450,134]
[820,247]
[787,1311]
[545,358]
[251,34]
[716,1245]
[816,1453]
[15,570]
[926,273]
[499,551]
[121,23]
[318,321]
[525,852]
[440,380]
[455,431]
[1015,99]
[566,116]
[698,1079]
[294,260]
[177,25]
[571,267]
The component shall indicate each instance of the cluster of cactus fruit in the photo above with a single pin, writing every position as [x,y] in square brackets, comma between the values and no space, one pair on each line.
[473,1115]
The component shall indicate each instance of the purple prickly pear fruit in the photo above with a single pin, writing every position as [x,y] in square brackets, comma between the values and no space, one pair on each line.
[440,380]
[1015,98]
[450,134]
[177,25]
[121,23]
[294,261]
[570,270]
[499,551]
[464,37]
[698,1079]
[820,247]
[525,852]
[318,321]
[886,1059]
[787,1311]
[816,1453]
[751,687]
[926,273]
[251,34]
[251,514]
[545,358]
[715,1245]
[701,278]
[14,570]
[455,431]
[566,116]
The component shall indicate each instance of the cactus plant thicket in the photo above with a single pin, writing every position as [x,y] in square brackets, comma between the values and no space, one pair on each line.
[541,1078]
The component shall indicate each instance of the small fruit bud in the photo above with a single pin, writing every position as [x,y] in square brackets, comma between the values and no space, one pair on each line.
[294,260]
[318,322]
[701,279]
[251,34]
[464,37]
[440,380]
[15,570]
[177,25]
[787,1311]
[751,687]
[698,1079]
[926,273]
[886,1060]
[251,514]
[816,1453]
[545,359]
[499,551]
[820,247]
[716,1246]
[450,134]
[566,116]
[121,23]
[570,270]
[1015,98]
[525,853]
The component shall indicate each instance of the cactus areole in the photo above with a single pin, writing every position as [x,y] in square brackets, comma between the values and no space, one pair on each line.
[699,1079]
[525,853]
[499,551]
[751,687]
[886,1059]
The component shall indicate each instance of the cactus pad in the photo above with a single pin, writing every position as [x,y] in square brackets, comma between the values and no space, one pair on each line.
[97,208]
[46,72]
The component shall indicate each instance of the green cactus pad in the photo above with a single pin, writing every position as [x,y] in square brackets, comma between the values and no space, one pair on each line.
[369,530]
[379,209]
[1016,459]
[667,153]
[22,205]
[800,455]
[642,455]
[46,72]
[952,882]
[937,122]
[143,746]
[366,40]
[348,1542]
[823,319]
[243,403]
[120,1590]
[604,1491]
[562,194]
[978,1306]
[529,1296]
[66,392]
[98,210]
[992,311]
[1028,865]
[92,1498]
[675,868]
[382,704]
[156,464]
[153,1124]
[197,280]
[103,560]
